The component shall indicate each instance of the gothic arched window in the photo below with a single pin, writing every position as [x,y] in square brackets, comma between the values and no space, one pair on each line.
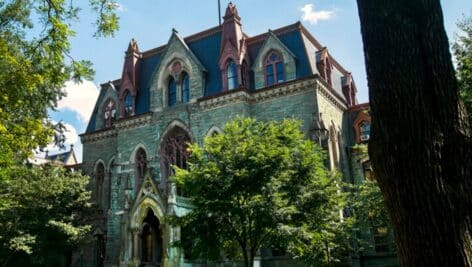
[244,75]
[128,104]
[99,179]
[174,152]
[274,68]
[364,131]
[109,113]
[185,88]
[140,163]
[232,75]
[172,92]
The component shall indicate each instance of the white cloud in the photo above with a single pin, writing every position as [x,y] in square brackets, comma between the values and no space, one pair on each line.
[71,138]
[312,16]
[120,7]
[80,98]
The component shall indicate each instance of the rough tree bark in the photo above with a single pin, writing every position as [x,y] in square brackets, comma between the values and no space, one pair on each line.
[421,142]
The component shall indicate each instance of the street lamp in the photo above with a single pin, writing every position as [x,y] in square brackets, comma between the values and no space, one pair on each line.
[318,131]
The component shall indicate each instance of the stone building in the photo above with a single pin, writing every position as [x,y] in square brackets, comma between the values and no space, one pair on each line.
[185,90]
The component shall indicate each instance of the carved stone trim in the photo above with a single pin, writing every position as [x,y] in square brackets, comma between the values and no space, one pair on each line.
[288,88]
[329,95]
[134,122]
[128,123]
[95,136]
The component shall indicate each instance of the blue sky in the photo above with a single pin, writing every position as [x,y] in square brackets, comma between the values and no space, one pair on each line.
[334,23]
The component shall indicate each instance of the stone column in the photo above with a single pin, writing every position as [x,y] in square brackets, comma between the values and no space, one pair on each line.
[135,235]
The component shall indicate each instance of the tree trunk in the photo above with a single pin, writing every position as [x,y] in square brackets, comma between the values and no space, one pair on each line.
[251,259]
[421,143]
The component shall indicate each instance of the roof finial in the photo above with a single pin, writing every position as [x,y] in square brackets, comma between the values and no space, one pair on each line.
[231,10]
[133,46]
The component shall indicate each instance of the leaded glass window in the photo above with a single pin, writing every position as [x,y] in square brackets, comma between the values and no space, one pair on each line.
[109,113]
[128,104]
[174,152]
[365,131]
[232,74]
[172,92]
[274,69]
[185,88]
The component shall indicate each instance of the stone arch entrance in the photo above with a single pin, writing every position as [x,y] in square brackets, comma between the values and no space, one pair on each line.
[151,243]
[148,236]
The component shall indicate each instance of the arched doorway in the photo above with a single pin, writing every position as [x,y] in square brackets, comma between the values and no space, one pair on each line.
[151,241]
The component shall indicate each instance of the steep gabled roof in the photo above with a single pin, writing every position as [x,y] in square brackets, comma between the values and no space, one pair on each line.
[206,48]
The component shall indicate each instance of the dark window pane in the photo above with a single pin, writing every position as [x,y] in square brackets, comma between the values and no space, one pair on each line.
[128,104]
[280,72]
[232,73]
[172,93]
[185,89]
[269,75]
[365,131]
[274,57]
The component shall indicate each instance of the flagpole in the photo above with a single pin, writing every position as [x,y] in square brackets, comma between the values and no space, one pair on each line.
[219,12]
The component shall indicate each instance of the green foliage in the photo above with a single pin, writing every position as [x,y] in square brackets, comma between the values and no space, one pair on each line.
[462,49]
[368,208]
[261,184]
[41,215]
[34,64]
[38,207]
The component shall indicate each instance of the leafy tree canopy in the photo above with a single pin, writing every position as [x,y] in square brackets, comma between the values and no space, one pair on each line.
[462,49]
[261,184]
[40,215]
[34,64]
[39,207]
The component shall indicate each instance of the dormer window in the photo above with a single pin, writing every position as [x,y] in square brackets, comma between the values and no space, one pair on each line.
[364,131]
[109,113]
[232,74]
[128,104]
[274,68]
[172,92]
[185,88]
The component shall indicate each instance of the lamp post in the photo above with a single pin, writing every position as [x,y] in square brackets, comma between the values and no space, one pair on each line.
[318,131]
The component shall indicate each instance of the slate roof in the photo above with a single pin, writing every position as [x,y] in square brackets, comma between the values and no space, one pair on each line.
[206,46]
[62,157]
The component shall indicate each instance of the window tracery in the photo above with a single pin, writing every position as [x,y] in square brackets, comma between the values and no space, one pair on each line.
[174,152]
[109,113]
[274,68]
[128,104]
[141,167]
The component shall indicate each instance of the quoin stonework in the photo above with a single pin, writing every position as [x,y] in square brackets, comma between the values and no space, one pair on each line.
[185,90]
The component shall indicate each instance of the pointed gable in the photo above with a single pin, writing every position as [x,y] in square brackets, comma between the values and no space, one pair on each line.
[148,197]
[273,43]
[176,53]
